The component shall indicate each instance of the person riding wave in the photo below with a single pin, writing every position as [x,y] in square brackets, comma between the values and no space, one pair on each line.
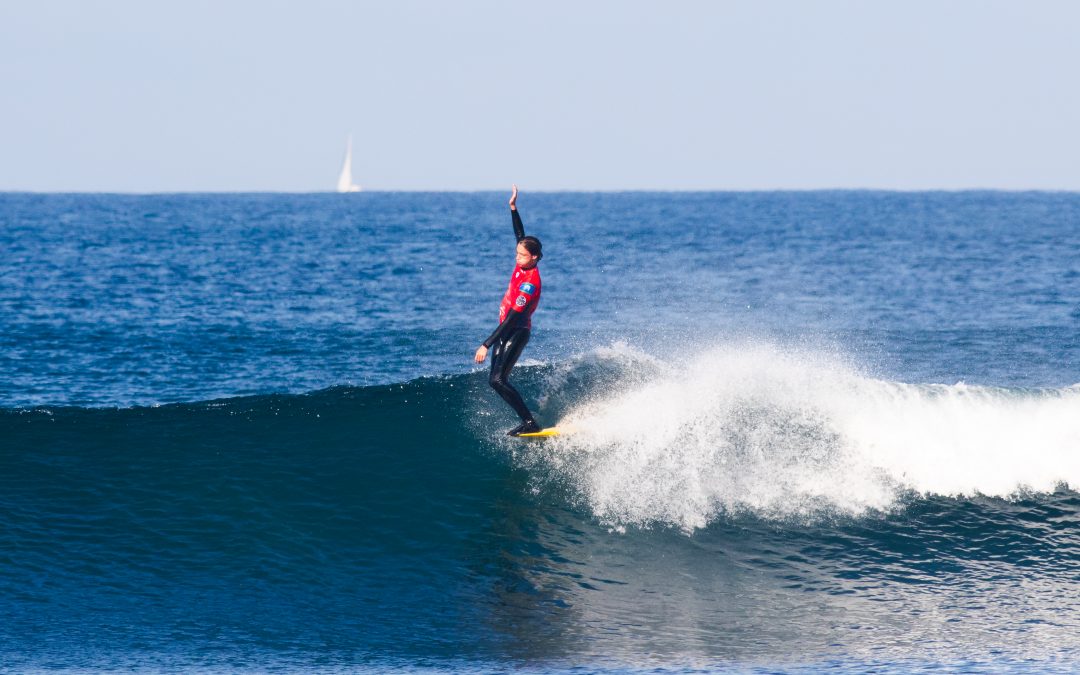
[515,321]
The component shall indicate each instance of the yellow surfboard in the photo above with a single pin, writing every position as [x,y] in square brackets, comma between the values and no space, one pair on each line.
[543,433]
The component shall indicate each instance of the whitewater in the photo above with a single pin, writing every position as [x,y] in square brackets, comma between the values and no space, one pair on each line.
[797,435]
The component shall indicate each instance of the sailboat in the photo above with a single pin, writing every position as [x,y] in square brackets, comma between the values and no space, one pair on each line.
[344,181]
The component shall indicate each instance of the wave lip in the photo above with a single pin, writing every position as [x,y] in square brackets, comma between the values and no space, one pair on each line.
[793,435]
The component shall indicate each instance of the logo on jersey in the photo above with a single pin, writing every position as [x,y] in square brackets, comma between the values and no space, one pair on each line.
[521,301]
[527,288]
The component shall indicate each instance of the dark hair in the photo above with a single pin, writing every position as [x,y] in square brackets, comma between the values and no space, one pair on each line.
[533,246]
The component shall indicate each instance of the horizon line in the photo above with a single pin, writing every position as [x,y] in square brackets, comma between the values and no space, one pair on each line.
[538,191]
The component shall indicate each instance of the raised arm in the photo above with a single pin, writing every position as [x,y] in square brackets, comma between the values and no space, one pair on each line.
[519,228]
[513,317]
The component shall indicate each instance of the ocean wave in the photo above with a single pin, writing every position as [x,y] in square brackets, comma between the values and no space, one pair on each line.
[736,483]
[787,434]
[780,434]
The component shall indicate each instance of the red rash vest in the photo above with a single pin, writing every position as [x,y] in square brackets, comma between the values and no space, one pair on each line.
[522,295]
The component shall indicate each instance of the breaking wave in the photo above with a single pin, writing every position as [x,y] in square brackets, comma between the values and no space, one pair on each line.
[789,434]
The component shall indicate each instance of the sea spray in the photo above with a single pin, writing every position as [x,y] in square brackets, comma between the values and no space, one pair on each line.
[791,434]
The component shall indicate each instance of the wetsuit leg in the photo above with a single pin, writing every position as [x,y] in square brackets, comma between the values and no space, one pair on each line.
[504,355]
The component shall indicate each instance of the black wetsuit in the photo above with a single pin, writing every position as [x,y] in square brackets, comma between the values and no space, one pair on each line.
[507,342]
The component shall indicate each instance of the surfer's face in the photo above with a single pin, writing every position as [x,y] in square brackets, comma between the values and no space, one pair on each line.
[525,259]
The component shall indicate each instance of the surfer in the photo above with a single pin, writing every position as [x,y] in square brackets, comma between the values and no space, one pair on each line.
[515,321]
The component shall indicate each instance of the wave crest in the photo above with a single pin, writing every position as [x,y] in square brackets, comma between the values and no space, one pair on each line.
[793,435]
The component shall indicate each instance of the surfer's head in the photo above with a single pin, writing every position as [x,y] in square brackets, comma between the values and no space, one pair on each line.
[529,252]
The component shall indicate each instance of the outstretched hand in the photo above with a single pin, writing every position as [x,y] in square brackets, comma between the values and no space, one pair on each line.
[513,198]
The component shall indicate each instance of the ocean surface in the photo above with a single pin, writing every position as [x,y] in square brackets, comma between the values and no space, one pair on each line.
[833,430]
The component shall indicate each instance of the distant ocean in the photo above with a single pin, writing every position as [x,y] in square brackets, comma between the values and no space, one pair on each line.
[832,430]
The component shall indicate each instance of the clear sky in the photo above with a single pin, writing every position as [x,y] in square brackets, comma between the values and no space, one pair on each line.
[140,96]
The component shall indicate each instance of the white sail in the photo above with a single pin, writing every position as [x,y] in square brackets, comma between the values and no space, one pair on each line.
[344,181]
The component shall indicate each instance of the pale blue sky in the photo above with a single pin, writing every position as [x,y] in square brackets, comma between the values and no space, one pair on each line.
[121,95]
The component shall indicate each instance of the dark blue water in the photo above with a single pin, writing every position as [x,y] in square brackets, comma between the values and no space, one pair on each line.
[812,430]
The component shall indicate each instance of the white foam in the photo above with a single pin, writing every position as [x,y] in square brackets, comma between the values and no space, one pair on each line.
[787,434]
